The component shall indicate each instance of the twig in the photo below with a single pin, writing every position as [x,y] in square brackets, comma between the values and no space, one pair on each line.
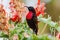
[44,28]
[54,33]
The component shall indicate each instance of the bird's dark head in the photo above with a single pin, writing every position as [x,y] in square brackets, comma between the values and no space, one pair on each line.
[31,9]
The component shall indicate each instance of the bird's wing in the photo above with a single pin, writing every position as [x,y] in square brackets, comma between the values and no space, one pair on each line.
[35,20]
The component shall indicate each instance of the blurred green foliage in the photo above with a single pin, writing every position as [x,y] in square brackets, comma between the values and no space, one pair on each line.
[22,28]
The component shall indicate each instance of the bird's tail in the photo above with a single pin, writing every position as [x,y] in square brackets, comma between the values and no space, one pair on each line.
[35,31]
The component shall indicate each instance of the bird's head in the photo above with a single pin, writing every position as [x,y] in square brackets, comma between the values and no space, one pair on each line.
[31,9]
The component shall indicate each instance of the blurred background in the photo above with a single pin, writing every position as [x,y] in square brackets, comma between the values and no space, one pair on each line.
[53,8]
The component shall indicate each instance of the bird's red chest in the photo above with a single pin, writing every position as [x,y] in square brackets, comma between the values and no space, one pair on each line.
[29,15]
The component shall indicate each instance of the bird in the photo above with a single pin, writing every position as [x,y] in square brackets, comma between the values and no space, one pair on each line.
[31,19]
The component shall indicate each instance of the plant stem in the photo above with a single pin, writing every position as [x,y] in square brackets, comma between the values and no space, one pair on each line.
[44,28]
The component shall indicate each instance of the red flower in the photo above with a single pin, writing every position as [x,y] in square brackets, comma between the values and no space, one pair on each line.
[15,17]
[38,2]
[58,35]
[40,8]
